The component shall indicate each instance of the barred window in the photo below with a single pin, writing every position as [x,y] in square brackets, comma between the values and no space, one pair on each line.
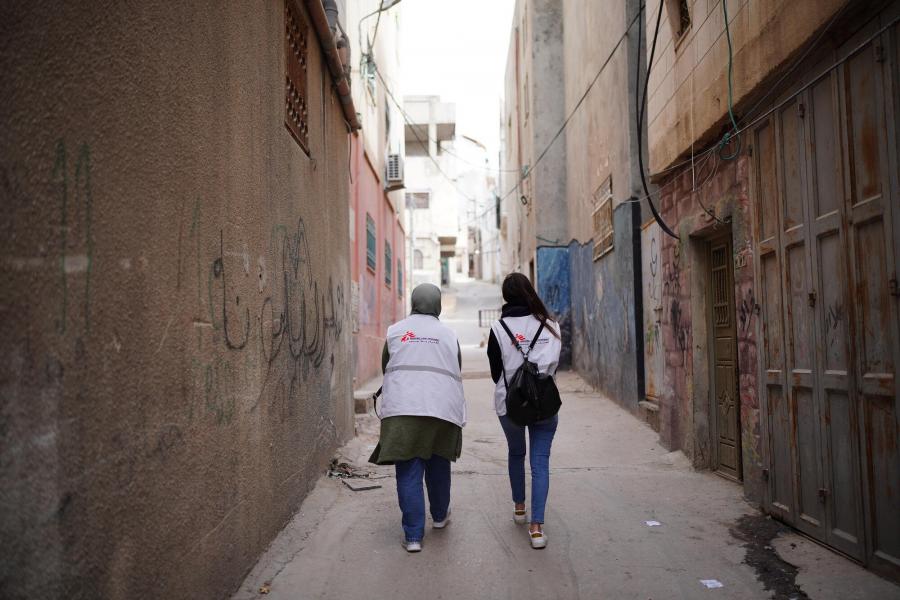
[371,244]
[388,263]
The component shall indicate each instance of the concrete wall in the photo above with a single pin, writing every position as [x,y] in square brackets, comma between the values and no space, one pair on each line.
[533,112]
[688,91]
[605,347]
[176,364]
[601,143]
[547,189]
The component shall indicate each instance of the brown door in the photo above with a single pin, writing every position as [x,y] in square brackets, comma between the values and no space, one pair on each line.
[723,346]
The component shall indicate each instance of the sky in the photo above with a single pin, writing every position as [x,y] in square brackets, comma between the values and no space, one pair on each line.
[457,50]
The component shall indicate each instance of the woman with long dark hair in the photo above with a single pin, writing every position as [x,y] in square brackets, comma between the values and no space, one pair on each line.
[525,319]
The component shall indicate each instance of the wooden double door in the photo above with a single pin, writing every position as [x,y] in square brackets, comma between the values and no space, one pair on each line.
[825,187]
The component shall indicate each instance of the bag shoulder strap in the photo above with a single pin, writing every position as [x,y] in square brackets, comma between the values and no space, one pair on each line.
[515,342]
[511,336]
[535,338]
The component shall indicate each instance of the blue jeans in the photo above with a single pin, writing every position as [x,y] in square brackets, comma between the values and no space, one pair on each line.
[540,438]
[412,499]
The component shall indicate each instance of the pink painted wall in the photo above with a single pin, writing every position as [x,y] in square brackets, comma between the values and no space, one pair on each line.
[380,304]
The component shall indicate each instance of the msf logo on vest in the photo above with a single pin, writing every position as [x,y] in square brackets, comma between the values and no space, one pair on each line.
[410,336]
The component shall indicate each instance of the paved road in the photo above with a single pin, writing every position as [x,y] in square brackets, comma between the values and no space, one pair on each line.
[609,476]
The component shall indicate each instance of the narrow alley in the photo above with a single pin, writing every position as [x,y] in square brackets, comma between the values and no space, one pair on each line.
[222,222]
[610,477]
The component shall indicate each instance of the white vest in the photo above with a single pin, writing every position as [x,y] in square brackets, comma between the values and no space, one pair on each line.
[545,353]
[422,377]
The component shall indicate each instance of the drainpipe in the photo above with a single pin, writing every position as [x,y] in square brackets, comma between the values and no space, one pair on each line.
[324,25]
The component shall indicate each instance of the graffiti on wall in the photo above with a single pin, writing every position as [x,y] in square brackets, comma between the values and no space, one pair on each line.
[285,326]
[651,268]
[553,288]
[604,331]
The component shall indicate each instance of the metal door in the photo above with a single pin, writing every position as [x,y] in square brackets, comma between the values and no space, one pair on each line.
[871,192]
[826,186]
[723,350]
[841,488]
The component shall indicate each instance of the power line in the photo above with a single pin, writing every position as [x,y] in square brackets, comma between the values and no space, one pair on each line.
[640,124]
[574,110]
[788,99]
[458,157]
[406,118]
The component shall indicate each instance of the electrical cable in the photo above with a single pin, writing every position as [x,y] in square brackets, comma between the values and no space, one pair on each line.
[726,139]
[460,158]
[574,110]
[789,98]
[640,118]
[377,22]
[406,118]
[814,44]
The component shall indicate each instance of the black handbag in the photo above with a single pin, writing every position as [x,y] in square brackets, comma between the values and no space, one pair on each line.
[531,396]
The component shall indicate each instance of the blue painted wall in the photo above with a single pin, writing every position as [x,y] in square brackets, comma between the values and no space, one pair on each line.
[606,350]
[553,281]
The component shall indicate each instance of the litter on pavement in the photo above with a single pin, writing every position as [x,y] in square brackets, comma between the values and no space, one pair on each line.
[653,523]
[360,485]
[712,583]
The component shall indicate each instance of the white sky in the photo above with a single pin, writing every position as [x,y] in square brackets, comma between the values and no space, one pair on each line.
[457,50]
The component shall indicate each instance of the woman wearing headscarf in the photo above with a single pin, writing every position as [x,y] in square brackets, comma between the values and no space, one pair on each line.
[525,323]
[422,412]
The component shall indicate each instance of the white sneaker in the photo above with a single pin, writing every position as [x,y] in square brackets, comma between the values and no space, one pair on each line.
[538,540]
[412,546]
[519,516]
[442,524]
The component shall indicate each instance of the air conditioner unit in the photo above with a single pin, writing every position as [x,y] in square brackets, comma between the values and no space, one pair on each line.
[394,173]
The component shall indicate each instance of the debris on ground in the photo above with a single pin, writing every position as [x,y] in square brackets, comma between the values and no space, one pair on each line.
[712,583]
[777,575]
[265,589]
[360,485]
[652,523]
[344,470]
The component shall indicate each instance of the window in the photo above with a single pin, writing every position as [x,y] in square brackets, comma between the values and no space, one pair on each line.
[296,101]
[603,221]
[387,125]
[418,199]
[388,263]
[679,18]
[369,74]
[418,259]
[371,245]
[399,279]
